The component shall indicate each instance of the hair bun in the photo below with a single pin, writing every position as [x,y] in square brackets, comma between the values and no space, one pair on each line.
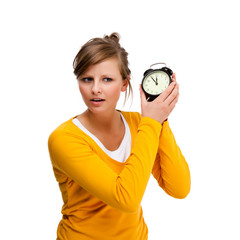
[114,36]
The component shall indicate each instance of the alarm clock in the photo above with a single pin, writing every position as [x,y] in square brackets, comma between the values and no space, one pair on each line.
[155,81]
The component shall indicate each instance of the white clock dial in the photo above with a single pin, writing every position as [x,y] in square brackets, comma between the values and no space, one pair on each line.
[156,82]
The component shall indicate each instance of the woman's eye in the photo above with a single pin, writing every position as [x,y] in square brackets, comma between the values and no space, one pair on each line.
[86,79]
[107,79]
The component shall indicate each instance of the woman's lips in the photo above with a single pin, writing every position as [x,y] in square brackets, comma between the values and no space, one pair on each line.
[97,101]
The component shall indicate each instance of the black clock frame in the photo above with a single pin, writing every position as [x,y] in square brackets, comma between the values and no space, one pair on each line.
[167,70]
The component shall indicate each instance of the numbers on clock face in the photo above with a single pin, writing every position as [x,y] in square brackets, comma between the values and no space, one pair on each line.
[156,82]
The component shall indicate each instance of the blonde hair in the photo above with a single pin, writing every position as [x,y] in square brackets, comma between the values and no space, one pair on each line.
[97,50]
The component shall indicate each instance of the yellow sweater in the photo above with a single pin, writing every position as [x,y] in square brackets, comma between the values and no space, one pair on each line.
[102,197]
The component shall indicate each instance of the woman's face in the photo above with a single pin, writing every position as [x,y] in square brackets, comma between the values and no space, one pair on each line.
[101,85]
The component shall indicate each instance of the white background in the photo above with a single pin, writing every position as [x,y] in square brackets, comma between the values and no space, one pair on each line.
[199,40]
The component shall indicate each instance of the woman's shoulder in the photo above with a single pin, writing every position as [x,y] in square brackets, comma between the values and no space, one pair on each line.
[65,129]
[132,117]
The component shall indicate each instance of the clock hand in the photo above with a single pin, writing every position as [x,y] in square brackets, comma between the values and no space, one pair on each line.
[154,81]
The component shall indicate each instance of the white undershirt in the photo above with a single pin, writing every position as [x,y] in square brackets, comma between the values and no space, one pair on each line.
[122,153]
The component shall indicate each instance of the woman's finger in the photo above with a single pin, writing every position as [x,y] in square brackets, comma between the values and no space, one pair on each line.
[174,101]
[172,95]
[174,77]
[164,95]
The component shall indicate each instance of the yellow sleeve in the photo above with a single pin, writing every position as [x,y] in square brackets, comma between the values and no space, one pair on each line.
[170,168]
[74,157]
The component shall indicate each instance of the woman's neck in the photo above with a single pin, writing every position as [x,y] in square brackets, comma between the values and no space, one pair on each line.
[106,122]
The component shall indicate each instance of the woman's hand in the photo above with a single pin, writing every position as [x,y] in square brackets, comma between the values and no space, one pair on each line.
[162,106]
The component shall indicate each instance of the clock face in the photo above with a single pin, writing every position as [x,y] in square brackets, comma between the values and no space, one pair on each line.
[156,82]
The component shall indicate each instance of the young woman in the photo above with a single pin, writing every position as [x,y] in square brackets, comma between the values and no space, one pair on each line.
[103,157]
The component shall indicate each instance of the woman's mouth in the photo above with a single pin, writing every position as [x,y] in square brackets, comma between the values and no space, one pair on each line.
[97,100]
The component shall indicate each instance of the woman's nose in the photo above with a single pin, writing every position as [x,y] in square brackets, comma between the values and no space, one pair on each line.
[96,87]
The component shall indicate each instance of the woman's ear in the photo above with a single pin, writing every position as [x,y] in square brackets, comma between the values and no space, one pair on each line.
[125,84]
